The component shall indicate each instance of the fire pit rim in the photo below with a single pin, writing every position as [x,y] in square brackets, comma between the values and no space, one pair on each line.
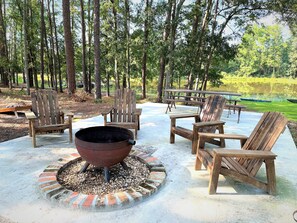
[107,127]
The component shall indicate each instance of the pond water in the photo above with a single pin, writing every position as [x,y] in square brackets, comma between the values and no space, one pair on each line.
[276,91]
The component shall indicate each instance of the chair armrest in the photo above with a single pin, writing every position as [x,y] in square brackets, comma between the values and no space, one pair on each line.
[138,111]
[244,153]
[184,116]
[30,115]
[106,111]
[212,123]
[222,136]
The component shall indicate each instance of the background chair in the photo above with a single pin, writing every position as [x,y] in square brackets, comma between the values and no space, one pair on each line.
[243,165]
[46,116]
[124,112]
[206,121]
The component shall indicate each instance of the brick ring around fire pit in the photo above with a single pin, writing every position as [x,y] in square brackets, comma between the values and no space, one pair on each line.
[54,191]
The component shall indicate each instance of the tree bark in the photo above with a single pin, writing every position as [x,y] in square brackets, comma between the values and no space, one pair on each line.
[97,48]
[68,47]
[57,48]
[164,52]
[42,35]
[52,47]
[83,37]
[145,45]
[26,71]
[116,74]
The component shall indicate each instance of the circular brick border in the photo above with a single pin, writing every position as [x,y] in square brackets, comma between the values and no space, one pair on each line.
[54,191]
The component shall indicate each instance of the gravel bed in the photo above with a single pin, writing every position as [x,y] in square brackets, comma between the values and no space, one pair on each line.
[92,181]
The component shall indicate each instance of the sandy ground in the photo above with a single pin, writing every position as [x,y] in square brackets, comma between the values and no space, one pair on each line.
[184,197]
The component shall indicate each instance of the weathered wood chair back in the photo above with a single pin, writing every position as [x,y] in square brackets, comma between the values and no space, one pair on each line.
[125,106]
[263,137]
[212,110]
[46,108]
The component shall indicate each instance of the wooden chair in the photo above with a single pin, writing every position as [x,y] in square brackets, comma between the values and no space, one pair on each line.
[46,116]
[124,112]
[243,165]
[206,121]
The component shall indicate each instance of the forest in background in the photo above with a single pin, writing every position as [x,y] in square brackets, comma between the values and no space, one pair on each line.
[110,42]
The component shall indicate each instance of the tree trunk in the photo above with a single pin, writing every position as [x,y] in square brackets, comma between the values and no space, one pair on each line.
[4,72]
[90,34]
[174,23]
[116,74]
[58,65]
[164,52]
[145,45]
[127,31]
[26,47]
[97,48]
[68,47]
[42,35]
[52,46]
[83,37]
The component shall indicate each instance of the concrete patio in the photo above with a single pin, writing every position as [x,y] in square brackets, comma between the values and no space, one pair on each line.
[183,198]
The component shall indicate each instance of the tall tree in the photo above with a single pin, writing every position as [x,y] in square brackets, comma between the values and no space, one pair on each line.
[97,48]
[42,34]
[83,38]
[3,47]
[148,9]
[26,65]
[69,51]
[57,48]
[164,50]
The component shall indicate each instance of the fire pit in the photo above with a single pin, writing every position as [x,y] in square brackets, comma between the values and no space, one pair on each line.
[104,146]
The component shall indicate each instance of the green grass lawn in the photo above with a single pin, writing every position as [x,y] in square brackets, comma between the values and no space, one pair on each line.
[287,108]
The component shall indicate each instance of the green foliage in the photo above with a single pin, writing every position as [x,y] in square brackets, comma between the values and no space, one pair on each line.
[263,52]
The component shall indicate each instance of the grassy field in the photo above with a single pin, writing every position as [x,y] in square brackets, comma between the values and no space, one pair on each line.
[287,108]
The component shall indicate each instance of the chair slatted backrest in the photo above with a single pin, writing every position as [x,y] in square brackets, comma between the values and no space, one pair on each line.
[124,105]
[263,138]
[45,106]
[212,110]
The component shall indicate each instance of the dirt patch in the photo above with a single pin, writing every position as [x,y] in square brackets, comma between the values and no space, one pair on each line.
[82,105]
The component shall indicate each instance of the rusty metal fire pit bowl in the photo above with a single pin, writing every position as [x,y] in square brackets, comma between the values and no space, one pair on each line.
[104,146]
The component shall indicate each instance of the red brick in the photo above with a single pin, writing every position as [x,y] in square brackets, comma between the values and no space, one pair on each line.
[46,174]
[70,197]
[110,200]
[51,187]
[122,197]
[151,159]
[89,200]
[80,198]
[44,179]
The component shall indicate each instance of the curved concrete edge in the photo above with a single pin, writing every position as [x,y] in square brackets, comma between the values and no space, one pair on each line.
[55,192]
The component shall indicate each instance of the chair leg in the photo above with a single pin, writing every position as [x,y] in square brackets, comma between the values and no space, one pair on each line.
[34,137]
[271,181]
[172,125]
[215,172]
[194,139]
[198,163]
[222,140]
[30,128]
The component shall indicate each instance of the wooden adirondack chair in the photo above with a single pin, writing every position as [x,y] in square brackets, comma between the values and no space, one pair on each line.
[206,121]
[243,165]
[46,116]
[124,112]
